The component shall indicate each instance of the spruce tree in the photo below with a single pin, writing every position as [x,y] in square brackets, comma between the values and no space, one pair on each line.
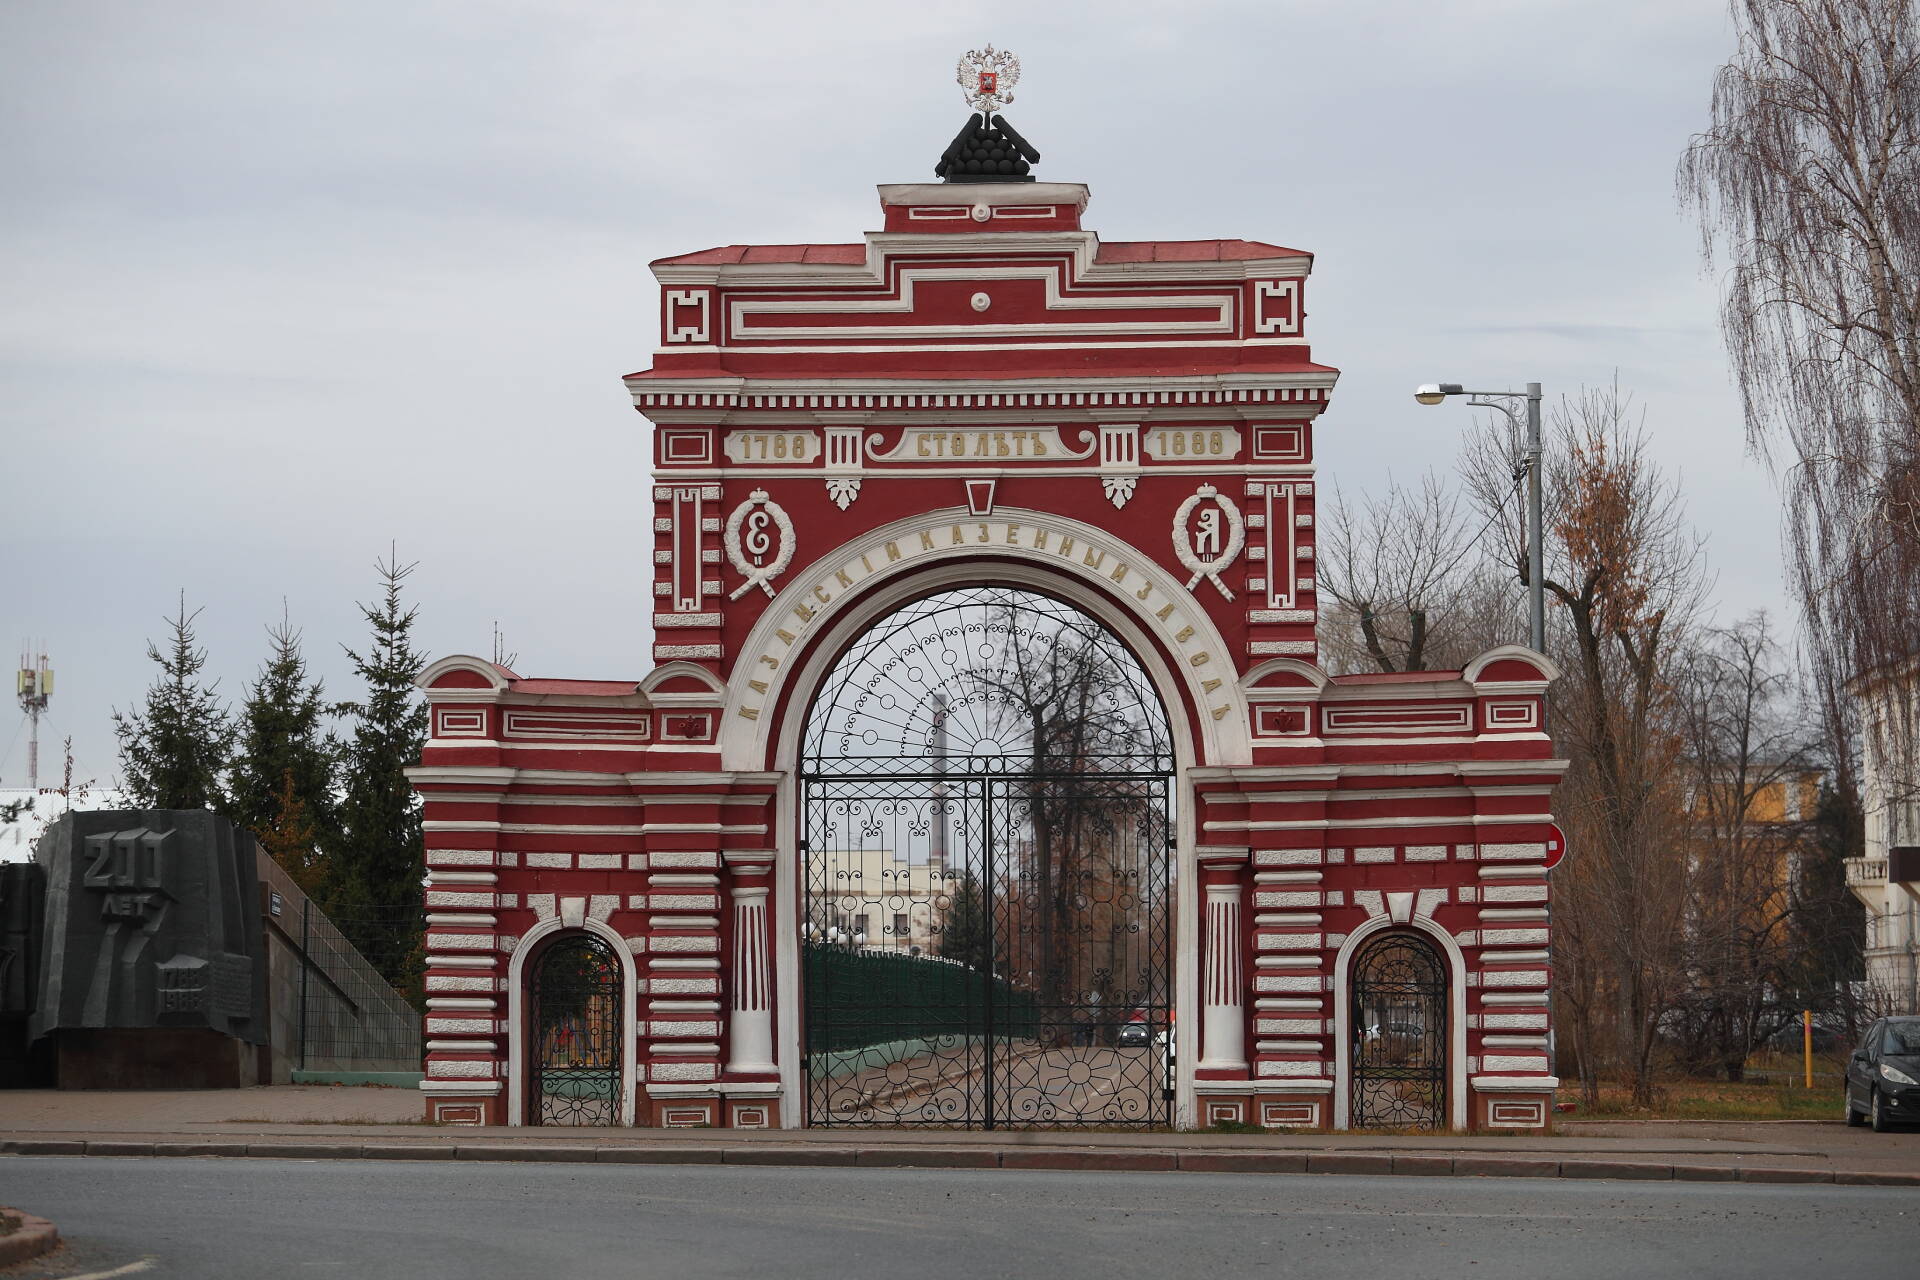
[966,934]
[174,752]
[288,765]
[381,858]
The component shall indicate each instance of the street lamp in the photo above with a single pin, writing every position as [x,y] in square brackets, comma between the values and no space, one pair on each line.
[1437,393]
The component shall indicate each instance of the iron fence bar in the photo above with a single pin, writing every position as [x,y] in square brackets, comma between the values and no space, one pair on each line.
[988,965]
[306,967]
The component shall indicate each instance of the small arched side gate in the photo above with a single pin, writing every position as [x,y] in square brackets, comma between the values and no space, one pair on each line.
[1399,1030]
[574,1028]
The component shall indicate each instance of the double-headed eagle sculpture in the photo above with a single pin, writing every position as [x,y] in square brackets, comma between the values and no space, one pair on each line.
[986,78]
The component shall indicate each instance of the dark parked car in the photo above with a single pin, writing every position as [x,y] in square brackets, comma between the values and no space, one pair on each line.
[1135,1035]
[1883,1076]
[1790,1038]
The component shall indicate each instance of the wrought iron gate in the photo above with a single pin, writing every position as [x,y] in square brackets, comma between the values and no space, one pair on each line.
[988,919]
[1399,1035]
[574,1021]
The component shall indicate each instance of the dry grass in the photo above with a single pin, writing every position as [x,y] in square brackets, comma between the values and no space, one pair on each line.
[1774,1098]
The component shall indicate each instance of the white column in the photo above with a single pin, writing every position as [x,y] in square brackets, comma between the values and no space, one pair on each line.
[1223,1044]
[751,1002]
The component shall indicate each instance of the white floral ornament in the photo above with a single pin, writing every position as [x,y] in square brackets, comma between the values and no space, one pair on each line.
[749,557]
[1224,543]
[843,490]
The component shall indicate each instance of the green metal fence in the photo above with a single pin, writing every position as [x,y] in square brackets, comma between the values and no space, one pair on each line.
[861,998]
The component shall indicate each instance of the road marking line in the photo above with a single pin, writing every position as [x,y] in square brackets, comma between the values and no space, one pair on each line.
[130,1269]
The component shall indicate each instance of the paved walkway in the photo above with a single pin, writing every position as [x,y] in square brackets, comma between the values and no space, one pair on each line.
[349,1122]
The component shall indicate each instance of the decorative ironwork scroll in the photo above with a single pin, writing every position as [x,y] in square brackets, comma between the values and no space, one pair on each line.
[1399,1035]
[576,1029]
[988,893]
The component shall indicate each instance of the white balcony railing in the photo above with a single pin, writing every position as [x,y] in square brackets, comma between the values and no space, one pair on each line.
[1864,873]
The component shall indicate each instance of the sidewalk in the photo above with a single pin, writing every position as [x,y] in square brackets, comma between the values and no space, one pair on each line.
[322,1122]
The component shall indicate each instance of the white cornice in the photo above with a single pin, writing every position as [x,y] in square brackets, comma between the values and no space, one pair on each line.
[1472,767]
[1449,688]
[1285,394]
[633,701]
[764,418]
[990,193]
[1002,384]
[917,471]
[1324,771]
[1082,247]
[503,776]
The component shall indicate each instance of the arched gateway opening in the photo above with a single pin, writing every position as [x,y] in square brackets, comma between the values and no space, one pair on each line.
[987,891]
[575,1027]
[1399,1027]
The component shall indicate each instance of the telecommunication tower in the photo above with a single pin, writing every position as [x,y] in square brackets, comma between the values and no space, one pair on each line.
[35,687]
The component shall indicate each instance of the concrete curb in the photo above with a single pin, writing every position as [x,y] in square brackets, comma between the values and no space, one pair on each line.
[815,1155]
[34,1237]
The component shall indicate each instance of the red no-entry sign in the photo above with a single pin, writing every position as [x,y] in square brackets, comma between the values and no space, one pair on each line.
[1556,845]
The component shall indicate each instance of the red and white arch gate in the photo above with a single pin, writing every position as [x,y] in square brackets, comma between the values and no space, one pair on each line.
[985,392]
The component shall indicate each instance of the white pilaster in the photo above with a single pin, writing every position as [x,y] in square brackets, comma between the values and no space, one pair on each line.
[1223,1043]
[750,1004]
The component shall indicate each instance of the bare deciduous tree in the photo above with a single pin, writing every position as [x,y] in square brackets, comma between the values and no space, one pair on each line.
[1405,584]
[1070,699]
[1751,804]
[1807,184]
[1625,577]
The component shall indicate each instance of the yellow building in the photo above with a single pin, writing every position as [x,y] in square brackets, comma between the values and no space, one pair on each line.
[1752,827]
[1789,797]
[877,898]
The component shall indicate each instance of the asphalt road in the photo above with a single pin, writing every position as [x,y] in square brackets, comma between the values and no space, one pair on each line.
[213,1219]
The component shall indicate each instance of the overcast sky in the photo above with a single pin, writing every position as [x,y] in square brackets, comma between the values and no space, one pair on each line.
[283,281]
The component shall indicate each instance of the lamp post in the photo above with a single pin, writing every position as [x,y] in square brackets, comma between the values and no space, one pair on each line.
[1437,393]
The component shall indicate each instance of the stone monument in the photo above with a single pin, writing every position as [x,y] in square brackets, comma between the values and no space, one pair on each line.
[149,976]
